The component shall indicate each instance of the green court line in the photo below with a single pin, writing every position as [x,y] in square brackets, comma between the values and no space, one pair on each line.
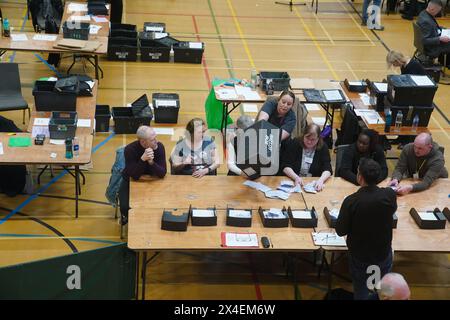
[40,236]
[227,60]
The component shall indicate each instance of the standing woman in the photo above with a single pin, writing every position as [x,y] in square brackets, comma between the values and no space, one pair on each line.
[307,156]
[279,113]
[196,154]
[365,147]
[407,65]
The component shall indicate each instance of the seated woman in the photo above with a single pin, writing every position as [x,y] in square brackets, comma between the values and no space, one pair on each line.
[307,156]
[365,147]
[279,113]
[242,123]
[407,65]
[196,154]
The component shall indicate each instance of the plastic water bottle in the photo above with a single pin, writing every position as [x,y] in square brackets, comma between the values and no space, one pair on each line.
[388,120]
[415,123]
[253,79]
[76,147]
[69,151]
[1,27]
[398,121]
[6,32]
[172,54]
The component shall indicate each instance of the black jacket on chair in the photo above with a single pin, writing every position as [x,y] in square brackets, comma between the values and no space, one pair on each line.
[291,156]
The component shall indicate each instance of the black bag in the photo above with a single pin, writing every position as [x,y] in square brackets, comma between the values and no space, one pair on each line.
[68,85]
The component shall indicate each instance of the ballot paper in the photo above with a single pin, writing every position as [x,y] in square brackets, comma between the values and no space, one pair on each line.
[256,185]
[426,215]
[247,93]
[1,148]
[289,187]
[422,80]
[250,107]
[274,194]
[44,37]
[226,94]
[19,37]
[239,213]
[99,19]
[369,116]
[40,130]
[301,214]
[328,239]
[274,213]
[365,98]
[309,188]
[93,29]
[41,121]
[381,86]
[312,107]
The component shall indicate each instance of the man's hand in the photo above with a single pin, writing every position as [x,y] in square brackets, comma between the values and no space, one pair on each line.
[150,154]
[200,173]
[145,156]
[444,39]
[393,183]
[402,190]
[319,185]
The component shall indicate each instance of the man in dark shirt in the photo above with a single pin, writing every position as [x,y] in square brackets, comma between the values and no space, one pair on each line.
[146,156]
[366,217]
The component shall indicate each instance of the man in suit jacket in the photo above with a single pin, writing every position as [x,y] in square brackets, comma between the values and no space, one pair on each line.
[434,42]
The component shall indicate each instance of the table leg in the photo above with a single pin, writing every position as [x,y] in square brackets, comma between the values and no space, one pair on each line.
[136,294]
[144,273]
[330,272]
[77,188]
[96,67]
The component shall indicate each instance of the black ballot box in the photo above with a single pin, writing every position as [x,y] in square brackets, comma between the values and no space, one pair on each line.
[411,90]
[188,52]
[258,149]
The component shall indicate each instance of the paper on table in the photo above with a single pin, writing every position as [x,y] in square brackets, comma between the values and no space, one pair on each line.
[249,171]
[57,141]
[19,142]
[355,83]
[251,184]
[250,107]
[309,188]
[318,120]
[312,107]
[381,86]
[371,116]
[99,19]
[44,37]
[241,239]
[276,194]
[77,7]
[425,215]
[328,239]
[84,123]
[226,94]
[365,98]
[202,213]
[85,18]
[19,37]
[1,148]
[164,131]
[263,187]
[40,130]
[195,45]
[301,214]
[240,213]
[422,80]
[93,29]
[274,213]
[332,95]
[41,121]
[445,33]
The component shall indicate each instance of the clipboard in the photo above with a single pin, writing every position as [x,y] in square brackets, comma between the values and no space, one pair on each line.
[244,246]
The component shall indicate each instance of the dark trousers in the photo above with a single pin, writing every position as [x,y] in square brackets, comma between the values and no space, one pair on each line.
[358,270]
[124,197]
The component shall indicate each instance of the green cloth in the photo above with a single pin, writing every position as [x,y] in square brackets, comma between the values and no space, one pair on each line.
[214,108]
[19,142]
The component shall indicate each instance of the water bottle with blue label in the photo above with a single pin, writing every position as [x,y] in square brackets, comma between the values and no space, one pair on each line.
[6,31]
[398,121]
[415,123]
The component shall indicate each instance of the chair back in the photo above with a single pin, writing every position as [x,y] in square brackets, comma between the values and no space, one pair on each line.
[339,155]
[418,38]
[10,78]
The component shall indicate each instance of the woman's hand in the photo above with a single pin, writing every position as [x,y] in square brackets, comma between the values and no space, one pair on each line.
[319,185]
[298,181]
[200,173]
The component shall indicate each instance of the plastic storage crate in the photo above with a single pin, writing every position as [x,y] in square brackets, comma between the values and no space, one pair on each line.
[166,112]
[76,30]
[155,50]
[46,99]
[403,91]
[280,80]
[122,49]
[125,122]
[102,116]
[63,125]
[187,52]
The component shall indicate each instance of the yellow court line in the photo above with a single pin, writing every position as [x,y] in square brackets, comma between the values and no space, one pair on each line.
[440,127]
[241,34]
[317,45]
[323,29]
[356,22]
[351,70]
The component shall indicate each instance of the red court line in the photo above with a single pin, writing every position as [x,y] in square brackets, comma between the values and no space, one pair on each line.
[205,66]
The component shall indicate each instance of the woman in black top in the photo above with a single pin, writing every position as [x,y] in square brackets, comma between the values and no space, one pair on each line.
[365,147]
[307,156]
[407,65]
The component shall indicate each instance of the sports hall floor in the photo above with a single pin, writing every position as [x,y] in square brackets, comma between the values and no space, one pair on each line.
[239,36]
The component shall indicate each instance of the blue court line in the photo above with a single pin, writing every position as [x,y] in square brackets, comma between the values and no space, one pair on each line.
[25,18]
[42,189]
[16,235]
[48,65]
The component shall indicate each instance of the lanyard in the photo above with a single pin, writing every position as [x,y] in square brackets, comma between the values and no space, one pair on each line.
[420,166]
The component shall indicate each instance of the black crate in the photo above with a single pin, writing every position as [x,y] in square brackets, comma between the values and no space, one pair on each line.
[123,33]
[63,125]
[403,91]
[122,49]
[377,95]
[409,112]
[185,54]
[280,80]
[97,8]
[76,30]
[166,114]
[102,116]
[125,122]
[147,39]
[123,26]
[356,86]
[154,27]
[154,54]
[45,99]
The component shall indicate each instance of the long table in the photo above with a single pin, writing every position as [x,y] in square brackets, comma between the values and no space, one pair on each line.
[150,196]
[36,154]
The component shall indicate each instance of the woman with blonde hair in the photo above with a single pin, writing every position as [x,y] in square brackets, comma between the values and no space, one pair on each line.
[406,64]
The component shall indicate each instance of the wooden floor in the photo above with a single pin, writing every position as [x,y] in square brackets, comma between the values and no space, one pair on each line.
[239,36]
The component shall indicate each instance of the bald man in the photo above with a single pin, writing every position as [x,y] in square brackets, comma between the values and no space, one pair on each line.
[145,156]
[393,287]
[421,160]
